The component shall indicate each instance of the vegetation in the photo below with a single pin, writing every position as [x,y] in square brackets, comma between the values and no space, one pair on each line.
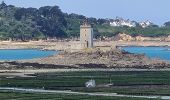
[135,83]
[50,22]
[31,96]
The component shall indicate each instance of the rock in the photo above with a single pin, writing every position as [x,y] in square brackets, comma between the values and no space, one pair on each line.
[140,38]
[123,37]
[167,39]
[126,37]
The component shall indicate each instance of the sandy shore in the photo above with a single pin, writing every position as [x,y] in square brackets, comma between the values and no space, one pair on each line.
[66,45]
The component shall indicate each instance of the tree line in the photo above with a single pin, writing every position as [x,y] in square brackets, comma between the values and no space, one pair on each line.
[24,24]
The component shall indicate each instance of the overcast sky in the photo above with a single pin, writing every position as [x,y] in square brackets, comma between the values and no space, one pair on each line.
[158,11]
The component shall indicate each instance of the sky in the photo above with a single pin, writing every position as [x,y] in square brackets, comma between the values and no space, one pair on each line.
[157,11]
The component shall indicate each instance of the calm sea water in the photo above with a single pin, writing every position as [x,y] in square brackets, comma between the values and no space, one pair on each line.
[21,54]
[152,52]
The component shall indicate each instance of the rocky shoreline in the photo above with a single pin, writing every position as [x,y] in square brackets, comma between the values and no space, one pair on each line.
[86,59]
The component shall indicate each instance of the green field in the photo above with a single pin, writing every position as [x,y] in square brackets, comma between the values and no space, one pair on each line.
[131,83]
[28,96]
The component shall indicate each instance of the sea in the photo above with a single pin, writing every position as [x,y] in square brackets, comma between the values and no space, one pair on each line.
[152,52]
[22,54]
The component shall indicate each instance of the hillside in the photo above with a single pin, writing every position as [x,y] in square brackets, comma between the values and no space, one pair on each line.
[50,22]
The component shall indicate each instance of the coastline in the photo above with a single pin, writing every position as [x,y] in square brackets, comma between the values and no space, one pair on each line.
[45,45]
[105,56]
[79,70]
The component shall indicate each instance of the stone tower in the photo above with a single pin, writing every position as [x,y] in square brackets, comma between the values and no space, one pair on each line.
[86,35]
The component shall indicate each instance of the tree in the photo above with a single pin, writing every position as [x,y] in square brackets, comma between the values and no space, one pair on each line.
[102,21]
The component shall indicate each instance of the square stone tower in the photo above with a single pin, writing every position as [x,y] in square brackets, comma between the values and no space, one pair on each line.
[86,35]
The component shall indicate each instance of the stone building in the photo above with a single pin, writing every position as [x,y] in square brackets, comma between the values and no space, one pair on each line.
[86,35]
